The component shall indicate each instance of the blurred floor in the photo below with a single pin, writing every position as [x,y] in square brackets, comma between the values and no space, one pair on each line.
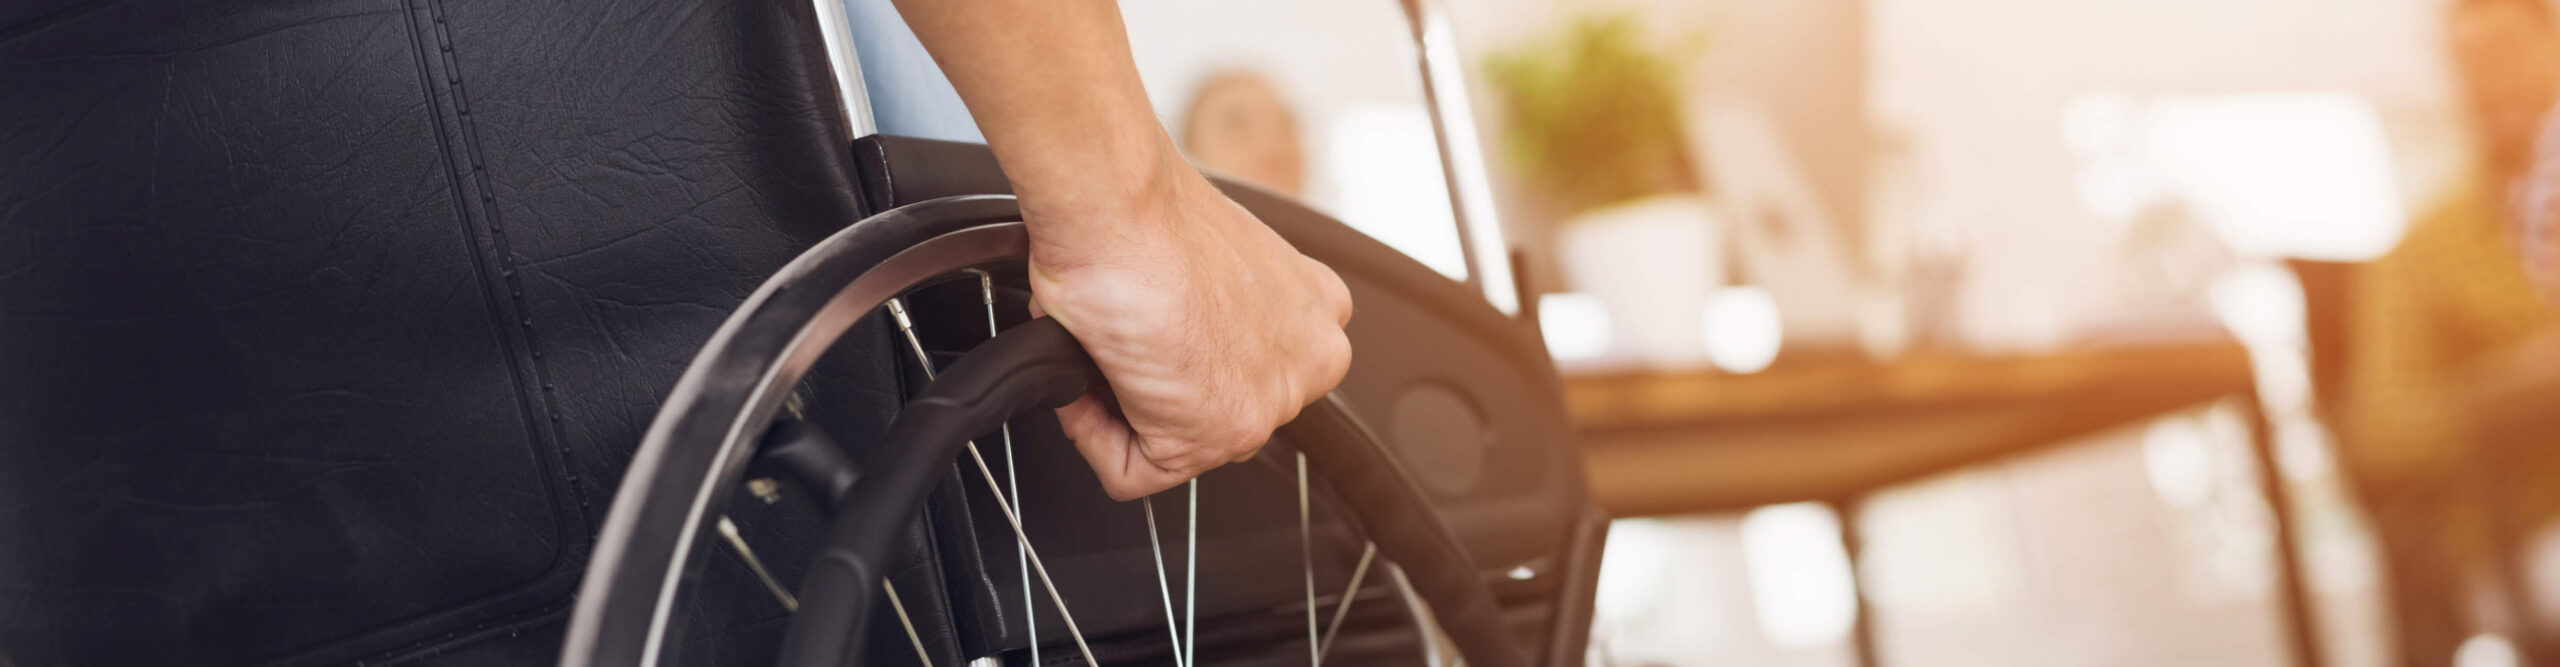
[2140,547]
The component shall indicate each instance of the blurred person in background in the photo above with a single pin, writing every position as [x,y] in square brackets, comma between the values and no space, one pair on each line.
[1238,124]
[2448,318]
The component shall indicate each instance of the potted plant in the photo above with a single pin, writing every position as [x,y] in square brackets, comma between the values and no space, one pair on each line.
[1595,120]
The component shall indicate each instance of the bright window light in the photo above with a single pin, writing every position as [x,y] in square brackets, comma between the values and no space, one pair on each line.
[2261,303]
[1800,578]
[2116,188]
[1742,329]
[2098,123]
[1576,326]
[2302,448]
[1640,556]
[1384,163]
[2292,175]
[2487,650]
[2178,456]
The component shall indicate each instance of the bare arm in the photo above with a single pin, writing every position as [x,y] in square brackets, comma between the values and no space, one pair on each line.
[1053,87]
[1211,329]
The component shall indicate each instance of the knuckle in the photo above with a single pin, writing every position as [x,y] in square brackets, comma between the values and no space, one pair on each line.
[1340,294]
[1330,362]
[1333,292]
[1163,452]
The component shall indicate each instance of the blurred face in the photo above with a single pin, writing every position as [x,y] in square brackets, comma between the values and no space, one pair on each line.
[2509,57]
[1241,127]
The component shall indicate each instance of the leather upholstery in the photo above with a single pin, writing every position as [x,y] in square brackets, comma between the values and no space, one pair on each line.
[327,326]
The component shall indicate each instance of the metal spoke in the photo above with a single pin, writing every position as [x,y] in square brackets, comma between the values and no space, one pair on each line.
[1012,480]
[763,488]
[1319,646]
[898,311]
[737,543]
[1191,584]
[1155,547]
[903,621]
[1342,610]
[1036,566]
[1307,564]
[1437,650]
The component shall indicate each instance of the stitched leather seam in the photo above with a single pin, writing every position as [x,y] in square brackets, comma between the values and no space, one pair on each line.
[535,410]
[504,252]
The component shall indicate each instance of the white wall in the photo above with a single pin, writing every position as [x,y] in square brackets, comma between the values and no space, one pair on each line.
[1974,91]
[1348,69]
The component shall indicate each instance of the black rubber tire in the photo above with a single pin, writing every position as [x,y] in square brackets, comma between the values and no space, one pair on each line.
[1038,365]
[697,449]
[694,452]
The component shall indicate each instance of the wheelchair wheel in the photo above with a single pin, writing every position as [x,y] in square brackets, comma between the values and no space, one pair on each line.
[727,417]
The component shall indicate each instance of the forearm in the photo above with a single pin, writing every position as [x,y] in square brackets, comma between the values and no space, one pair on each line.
[1054,90]
[1210,328]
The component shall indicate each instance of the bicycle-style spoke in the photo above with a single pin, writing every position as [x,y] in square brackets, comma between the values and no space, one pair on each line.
[1012,481]
[1155,547]
[1318,646]
[1342,610]
[738,543]
[1437,650]
[1183,633]
[782,335]
[905,621]
[1191,583]
[1307,563]
[898,312]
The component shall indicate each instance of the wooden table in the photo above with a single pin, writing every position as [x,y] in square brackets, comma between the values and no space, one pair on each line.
[1835,430]
[1659,443]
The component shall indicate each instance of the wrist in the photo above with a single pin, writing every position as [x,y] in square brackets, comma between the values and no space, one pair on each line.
[1111,183]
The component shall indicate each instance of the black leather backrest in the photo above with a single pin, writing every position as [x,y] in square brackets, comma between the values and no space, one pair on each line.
[326,327]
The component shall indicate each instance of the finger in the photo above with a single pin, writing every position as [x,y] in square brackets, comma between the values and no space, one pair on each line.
[1087,418]
[1104,441]
[1149,482]
[1111,448]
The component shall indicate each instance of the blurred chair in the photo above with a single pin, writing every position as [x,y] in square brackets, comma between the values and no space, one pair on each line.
[2431,586]
[2328,289]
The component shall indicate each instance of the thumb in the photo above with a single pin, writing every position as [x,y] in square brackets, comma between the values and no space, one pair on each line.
[1108,444]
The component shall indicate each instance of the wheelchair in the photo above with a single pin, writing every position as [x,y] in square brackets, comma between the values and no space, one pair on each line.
[462,346]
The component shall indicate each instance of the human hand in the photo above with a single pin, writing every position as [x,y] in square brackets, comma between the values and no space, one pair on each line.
[1210,329]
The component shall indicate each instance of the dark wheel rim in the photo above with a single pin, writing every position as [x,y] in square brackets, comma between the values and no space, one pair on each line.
[697,449]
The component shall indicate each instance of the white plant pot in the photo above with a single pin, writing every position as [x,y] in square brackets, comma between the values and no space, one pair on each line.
[1650,262]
